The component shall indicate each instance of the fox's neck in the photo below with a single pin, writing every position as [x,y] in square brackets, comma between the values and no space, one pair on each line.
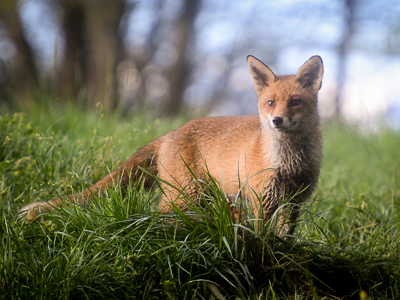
[294,153]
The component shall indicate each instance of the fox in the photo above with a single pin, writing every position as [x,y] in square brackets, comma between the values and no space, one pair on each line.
[275,153]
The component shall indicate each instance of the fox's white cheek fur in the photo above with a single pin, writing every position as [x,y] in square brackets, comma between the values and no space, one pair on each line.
[265,121]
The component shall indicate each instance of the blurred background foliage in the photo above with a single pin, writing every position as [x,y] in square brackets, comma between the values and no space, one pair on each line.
[169,54]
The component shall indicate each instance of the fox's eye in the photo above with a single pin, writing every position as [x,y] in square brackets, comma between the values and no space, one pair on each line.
[295,102]
[270,103]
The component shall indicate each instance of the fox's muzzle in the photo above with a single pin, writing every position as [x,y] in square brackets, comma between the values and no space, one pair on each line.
[277,121]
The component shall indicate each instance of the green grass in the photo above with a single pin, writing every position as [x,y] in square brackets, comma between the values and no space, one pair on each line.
[122,248]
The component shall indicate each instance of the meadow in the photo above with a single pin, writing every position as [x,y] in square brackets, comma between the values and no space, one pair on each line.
[345,244]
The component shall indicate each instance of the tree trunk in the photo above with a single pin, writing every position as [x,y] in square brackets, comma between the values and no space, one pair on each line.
[93,51]
[23,73]
[105,50]
[71,73]
[343,49]
[179,74]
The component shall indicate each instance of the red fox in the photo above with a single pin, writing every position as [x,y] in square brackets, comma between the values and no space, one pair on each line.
[275,153]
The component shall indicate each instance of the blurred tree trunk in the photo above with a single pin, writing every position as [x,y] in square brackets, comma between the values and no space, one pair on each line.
[178,74]
[105,50]
[343,49]
[93,51]
[71,73]
[23,71]
[145,57]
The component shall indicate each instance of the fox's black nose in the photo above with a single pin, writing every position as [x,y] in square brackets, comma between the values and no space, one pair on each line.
[277,121]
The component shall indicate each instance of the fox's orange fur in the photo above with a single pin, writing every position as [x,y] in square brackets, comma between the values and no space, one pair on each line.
[277,152]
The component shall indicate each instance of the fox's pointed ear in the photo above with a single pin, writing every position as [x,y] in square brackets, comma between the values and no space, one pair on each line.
[261,75]
[310,74]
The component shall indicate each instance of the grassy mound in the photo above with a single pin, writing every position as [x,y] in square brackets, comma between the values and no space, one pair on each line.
[345,243]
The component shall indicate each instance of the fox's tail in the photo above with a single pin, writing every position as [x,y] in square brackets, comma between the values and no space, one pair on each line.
[146,158]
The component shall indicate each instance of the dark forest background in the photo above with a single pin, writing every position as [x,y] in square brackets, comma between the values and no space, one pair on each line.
[170,54]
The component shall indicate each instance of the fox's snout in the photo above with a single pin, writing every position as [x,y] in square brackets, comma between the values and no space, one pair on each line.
[282,123]
[277,121]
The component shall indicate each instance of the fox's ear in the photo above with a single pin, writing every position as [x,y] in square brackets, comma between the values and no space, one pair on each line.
[261,75]
[310,74]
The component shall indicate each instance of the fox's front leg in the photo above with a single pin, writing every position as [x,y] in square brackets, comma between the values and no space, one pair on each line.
[272,201]
[273,198]
[288,221]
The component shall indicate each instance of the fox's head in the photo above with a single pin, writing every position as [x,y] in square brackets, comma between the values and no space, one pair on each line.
[287,103]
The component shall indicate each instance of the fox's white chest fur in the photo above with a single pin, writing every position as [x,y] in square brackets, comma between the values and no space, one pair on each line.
[296,160]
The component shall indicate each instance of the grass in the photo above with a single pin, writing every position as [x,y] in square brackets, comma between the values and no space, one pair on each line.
[345,244]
